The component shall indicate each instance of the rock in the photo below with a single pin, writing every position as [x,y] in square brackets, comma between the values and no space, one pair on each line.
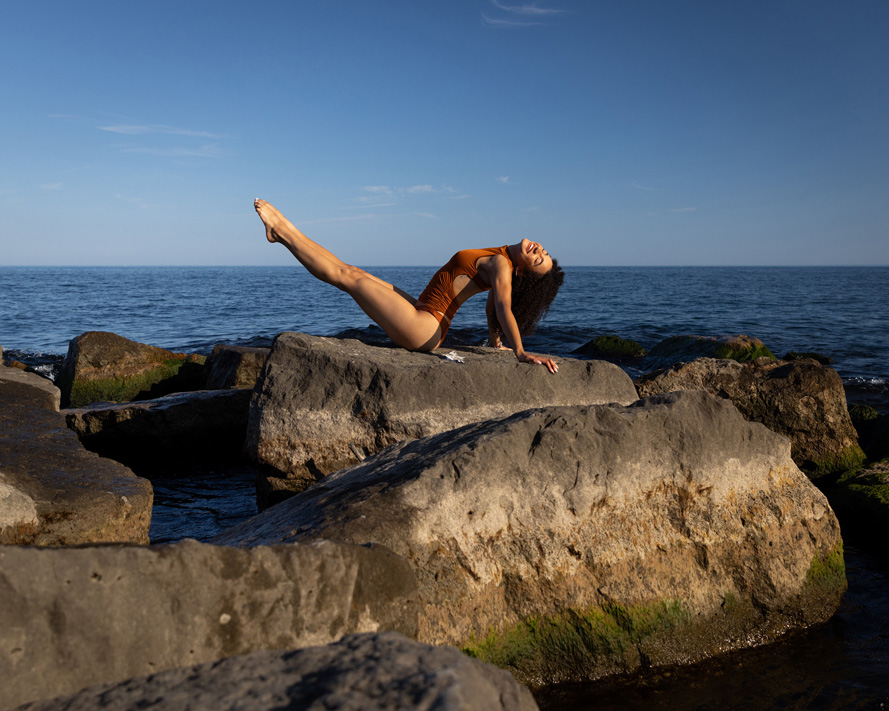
[873,430]
[569,543]
[323,403]
[612,348]
[362,672]
[861,500]
[52,491]
[823,359]
[31,380]
[234,367]
[105,367]
[76,617]
[680,349]
[802,400]
[204,426]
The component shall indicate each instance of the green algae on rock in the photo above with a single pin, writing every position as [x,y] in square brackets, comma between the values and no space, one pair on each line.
[685,348]
[861,500]
[105,367]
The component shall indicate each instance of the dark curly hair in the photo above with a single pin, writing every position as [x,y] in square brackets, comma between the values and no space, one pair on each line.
[532,295]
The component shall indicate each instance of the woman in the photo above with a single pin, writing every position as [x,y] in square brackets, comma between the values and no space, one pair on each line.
[421,324]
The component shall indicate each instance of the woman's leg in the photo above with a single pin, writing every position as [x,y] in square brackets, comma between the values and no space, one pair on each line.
[389,307]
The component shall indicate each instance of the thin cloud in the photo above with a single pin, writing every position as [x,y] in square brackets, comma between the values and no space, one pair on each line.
[527,9]
[425,214]
[683,209]
[421,189]
[526,15]
[503,179]
[146,129]
[51,186]
[637,186]
[368,203]
[208,151]
[383,189]
[497,22]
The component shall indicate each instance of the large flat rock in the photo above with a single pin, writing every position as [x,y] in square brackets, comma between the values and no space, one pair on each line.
[322,403]
[574,542]
[363,672]
[70,618]
[53,491]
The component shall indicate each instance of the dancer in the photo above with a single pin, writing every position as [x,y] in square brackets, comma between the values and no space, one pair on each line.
[522,280]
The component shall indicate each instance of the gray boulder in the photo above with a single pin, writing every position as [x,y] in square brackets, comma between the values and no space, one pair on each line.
[76,617]
[234,367]
[52,491]
[568,543]
[323,404]
[802,400]
[362,672]
[204,426]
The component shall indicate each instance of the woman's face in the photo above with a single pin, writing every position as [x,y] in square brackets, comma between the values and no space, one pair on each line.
[534,258]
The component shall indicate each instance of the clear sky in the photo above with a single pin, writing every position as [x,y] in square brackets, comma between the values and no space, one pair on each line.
[396,132]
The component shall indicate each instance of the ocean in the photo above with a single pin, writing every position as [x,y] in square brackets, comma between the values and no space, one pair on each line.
[839,312]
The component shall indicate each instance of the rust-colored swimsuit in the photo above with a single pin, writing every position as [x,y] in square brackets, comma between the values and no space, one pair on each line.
[438,296]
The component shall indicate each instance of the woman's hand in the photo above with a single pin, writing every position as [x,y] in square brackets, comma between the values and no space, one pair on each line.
[538,360]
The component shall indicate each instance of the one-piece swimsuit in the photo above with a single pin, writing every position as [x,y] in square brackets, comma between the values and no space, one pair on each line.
[438,296]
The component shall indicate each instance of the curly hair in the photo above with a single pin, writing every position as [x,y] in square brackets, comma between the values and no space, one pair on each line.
[532,295]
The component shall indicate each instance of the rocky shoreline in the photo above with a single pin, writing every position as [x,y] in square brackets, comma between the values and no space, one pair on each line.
[562,528]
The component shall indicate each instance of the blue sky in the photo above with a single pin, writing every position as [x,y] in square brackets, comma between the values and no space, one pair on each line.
[617,133]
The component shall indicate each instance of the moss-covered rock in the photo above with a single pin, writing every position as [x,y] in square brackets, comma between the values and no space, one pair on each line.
[873,431]
[861,501]
[612,348]
[794,355]
[105,367]
[679,349]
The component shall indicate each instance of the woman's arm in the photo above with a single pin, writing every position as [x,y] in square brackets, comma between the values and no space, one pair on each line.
[501,295]
[494,335]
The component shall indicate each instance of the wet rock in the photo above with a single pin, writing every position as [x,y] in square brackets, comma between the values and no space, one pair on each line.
[105,367]
[612,348]
[203,426]
[362,672]
[569,543]
[51,398]
[823,359]
[802,400]
[873,430]
[861,500]
[52,491]
[234,367]
[76,617]
[680,349]
[322,404]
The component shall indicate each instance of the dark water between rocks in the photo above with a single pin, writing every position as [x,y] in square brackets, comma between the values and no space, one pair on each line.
[842,313]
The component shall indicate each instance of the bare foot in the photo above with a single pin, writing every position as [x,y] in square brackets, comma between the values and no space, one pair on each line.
[270,217]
